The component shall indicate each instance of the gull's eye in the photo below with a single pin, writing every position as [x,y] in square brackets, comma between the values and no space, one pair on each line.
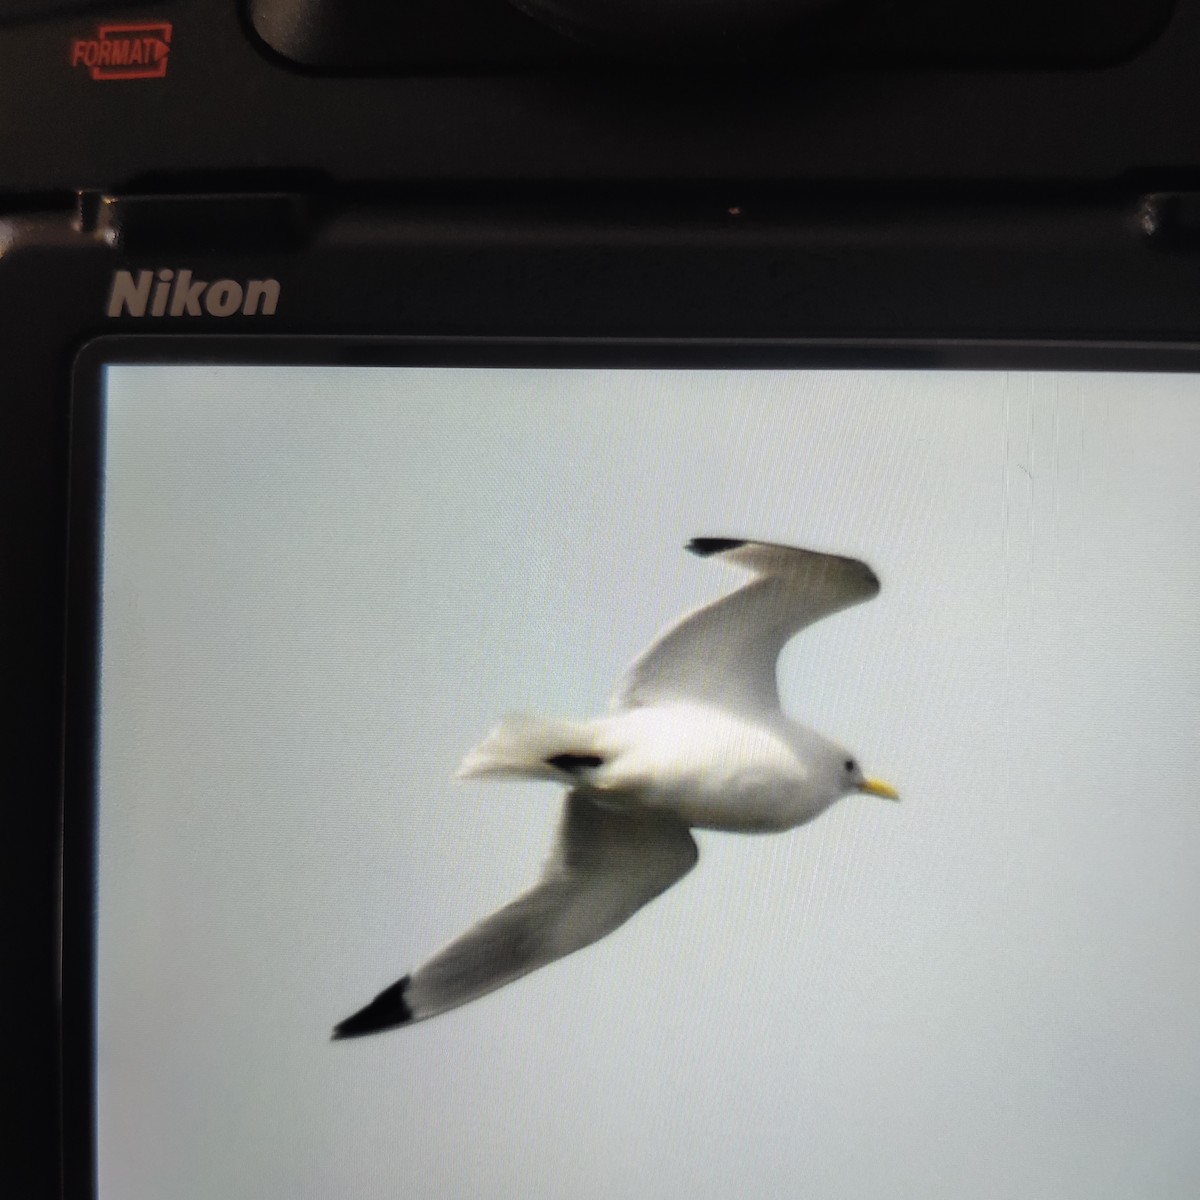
[851,766]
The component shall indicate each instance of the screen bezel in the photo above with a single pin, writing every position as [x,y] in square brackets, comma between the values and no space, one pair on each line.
[78,900]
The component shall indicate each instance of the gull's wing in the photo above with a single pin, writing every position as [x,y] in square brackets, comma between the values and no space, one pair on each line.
[725,653]
[606,864]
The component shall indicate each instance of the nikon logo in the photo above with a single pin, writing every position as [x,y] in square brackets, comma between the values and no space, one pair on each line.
[168,293]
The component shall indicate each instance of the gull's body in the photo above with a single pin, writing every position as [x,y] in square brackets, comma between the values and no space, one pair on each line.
[709,768]
[695,739]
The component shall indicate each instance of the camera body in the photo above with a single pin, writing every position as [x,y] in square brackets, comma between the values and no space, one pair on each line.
[824,182]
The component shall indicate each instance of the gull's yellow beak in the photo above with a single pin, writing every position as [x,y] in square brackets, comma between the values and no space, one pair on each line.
[876,787]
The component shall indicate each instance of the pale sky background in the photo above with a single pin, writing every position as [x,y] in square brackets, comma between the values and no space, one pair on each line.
[322,586]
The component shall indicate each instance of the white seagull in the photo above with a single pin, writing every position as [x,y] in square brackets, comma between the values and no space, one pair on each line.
[695,738]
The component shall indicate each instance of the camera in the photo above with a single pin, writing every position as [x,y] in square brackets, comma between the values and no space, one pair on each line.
[369,367]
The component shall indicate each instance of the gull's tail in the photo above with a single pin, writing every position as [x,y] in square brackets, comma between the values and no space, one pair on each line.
[527,747]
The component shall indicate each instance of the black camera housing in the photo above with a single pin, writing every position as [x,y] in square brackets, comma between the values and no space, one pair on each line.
[935,200]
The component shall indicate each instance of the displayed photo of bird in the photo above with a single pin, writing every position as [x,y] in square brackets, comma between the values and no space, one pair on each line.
[695,738]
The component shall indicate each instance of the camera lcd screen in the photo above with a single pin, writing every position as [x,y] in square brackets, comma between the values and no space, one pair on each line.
[328,591]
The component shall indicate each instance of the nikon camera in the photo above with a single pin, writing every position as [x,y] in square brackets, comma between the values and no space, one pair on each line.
[369,368]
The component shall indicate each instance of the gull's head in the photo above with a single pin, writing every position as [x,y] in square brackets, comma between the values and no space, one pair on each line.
[856,781]
[833,771]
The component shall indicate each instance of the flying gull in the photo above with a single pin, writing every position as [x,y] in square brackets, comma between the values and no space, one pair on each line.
[694,738]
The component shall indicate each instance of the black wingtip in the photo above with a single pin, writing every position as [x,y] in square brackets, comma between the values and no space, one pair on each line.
[706,546]
[386,1011]
[574,763]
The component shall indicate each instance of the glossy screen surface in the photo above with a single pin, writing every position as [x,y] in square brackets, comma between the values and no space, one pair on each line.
[322,586]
